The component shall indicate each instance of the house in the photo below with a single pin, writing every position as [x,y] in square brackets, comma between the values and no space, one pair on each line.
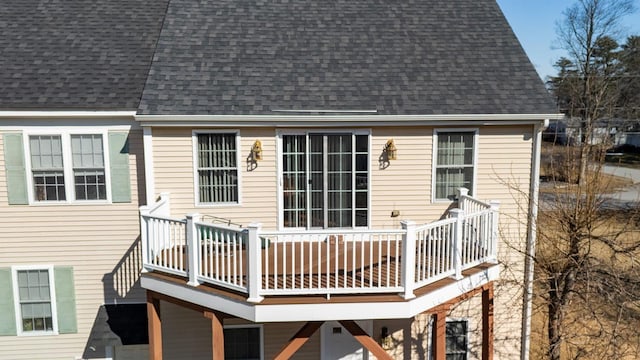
[266,180]
[609,132]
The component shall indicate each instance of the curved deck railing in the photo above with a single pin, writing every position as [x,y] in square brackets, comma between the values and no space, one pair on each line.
[360,261]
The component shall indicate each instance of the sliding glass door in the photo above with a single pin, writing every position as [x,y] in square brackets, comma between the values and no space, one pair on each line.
[325,180]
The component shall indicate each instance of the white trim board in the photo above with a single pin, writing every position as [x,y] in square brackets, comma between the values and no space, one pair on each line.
[322,312]
[312,121]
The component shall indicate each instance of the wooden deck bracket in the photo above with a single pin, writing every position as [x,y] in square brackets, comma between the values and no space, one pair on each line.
[367,341]
[297,340]
[487,322]
[154,324]
[217,334]
[439,333]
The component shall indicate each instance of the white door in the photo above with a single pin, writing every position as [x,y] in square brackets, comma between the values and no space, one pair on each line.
[339,344]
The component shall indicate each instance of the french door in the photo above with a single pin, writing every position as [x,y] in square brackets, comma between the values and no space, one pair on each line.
[325,180]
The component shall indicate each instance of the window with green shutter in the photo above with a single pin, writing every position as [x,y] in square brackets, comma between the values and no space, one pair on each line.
[68,166]
[37,300]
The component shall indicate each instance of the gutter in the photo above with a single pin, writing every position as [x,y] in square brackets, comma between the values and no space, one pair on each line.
[342,120]
[529,264]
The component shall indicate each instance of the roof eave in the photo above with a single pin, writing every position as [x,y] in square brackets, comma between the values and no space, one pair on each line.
[344,120]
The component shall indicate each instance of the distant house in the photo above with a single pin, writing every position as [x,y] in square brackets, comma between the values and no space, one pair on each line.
[613,132]
[252,180]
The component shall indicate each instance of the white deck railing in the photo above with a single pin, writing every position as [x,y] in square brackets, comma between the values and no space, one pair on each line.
[262,263]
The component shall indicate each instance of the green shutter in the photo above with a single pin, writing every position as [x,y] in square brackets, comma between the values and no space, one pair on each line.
[15,169]
[119,165]
[7,307]
[65,300]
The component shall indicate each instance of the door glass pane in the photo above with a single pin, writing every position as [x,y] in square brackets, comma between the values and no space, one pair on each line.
[294,176]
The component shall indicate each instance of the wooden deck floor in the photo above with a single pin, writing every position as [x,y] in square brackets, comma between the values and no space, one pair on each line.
[307,265]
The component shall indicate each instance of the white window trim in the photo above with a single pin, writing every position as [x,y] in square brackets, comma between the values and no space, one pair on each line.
[279,168]
[248,326]
[469,333]
[434,159]
[16,300]
[67,162]
[194,143]
[448,319]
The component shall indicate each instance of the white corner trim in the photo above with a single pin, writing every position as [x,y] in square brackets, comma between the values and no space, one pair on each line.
[150,189]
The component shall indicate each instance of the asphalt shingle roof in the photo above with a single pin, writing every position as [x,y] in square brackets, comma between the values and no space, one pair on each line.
[76,54]
[257,56]
[393,56]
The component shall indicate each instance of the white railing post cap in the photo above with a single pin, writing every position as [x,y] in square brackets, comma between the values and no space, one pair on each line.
[407,223]
[457,212]
[254,225]
[495,204]
[463,191]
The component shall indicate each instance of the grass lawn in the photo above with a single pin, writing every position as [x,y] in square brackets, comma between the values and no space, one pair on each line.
[560,164]
[625,159]
[596,326]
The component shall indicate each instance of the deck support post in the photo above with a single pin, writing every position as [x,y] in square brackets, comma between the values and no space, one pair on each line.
[487,322]
[297,340]
[458,214]
[193,249]
[154,324]
[408,258]
[367,341]
[439,333]
[254,262]
[217,335]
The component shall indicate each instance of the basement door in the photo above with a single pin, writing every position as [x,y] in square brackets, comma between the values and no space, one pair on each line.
[338,343]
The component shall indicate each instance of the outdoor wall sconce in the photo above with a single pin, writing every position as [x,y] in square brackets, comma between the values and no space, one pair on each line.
[385,338]
[256,150]
[390,149]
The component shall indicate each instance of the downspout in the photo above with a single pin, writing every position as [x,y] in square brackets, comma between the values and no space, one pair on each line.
[531,240]
[149,177]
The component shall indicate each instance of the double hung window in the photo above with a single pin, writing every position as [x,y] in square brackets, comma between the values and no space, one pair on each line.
[456,340]
[217,167]
[53,168]
[47,168]
[35,305]
[88,167]
[325,180]
[454,162]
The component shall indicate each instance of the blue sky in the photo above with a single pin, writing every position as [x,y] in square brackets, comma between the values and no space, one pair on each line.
[534,22]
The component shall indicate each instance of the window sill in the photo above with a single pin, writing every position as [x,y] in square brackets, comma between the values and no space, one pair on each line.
[37,333]
[71,203]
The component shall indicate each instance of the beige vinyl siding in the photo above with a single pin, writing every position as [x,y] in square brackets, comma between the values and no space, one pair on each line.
[174,173]
[405,184]
[100,242]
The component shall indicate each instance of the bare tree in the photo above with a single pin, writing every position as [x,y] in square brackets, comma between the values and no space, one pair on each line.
[587,269]
[588,29]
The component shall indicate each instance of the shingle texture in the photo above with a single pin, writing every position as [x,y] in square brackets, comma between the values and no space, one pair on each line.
[393,56]
[76,54]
